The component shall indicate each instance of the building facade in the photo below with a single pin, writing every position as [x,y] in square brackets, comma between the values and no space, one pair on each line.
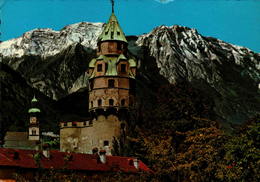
[30,139]
[111,95]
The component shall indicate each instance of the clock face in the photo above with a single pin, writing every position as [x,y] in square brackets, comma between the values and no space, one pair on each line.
[33,120]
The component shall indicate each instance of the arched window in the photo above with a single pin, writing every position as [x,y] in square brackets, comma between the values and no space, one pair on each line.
[119,45]
[99,102]
[111,102]
[112,35]
[33,132]
[99,67]
[123,68]
[91,103]
[106,143]
[123,102]
[111,83]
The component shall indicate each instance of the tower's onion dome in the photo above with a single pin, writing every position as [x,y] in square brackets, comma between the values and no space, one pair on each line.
[34,109]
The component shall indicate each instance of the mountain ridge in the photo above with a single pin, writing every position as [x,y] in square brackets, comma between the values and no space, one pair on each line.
[54,62]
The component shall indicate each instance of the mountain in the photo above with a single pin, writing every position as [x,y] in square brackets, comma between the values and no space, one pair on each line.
[229,74]
[54,64]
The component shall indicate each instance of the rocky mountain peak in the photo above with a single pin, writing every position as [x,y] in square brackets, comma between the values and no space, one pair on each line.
[47,42]
[181,52]
[54,62]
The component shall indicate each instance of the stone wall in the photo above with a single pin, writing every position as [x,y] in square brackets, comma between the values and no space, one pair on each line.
[111,48]
[83,139]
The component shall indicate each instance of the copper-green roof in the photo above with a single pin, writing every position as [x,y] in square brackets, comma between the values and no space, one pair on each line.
[112,64]
[120,57]
[33,110]
[132,63]
[112,30]
[111,69]
[34,99]
[92,63]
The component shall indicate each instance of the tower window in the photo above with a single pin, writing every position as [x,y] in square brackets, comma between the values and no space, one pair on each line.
[123,68]
[111,83]
[119,46]
[111,102]
[33,120]
[118,33]
[112,35]
[99,67]
[91,103]
[91,84]
[106,66]
[122,102]
[99,102]
[33,132]
[106,143]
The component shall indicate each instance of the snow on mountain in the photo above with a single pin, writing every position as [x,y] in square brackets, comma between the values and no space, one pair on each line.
[54,62]
[47,42]
[182,52]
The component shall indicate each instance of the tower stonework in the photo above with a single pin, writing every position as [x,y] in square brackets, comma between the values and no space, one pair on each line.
[111,95]
[111,85]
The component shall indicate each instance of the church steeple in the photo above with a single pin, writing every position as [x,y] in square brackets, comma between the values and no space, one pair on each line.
[34,125]
[112,31]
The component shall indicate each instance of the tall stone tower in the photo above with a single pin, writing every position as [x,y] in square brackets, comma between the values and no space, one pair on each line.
[111,95]
[34,125]
[111,85]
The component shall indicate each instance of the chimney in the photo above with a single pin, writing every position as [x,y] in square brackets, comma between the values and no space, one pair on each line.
[136,163]
[102,156]
[46,150]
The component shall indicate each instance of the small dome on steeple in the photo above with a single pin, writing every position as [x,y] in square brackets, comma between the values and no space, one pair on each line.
[34,99]
[112,31]
[34,109]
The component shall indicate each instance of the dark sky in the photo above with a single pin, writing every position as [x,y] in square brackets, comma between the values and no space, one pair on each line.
[234,21]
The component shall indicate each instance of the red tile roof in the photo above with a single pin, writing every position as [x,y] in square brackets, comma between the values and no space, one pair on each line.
[70,161]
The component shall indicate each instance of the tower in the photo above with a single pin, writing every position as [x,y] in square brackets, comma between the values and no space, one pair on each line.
[111,85]
[34,125]
[111,95]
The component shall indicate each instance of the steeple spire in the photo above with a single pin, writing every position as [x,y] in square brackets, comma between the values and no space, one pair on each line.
[113,3]
[112,30]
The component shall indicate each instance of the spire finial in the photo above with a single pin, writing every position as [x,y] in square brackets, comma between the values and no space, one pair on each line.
[113,3]
[34,98]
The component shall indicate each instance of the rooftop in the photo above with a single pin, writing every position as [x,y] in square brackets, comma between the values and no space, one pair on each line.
[112,31]
[70,161]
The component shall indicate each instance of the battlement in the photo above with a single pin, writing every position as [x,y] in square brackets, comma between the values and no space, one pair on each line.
[76,124]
